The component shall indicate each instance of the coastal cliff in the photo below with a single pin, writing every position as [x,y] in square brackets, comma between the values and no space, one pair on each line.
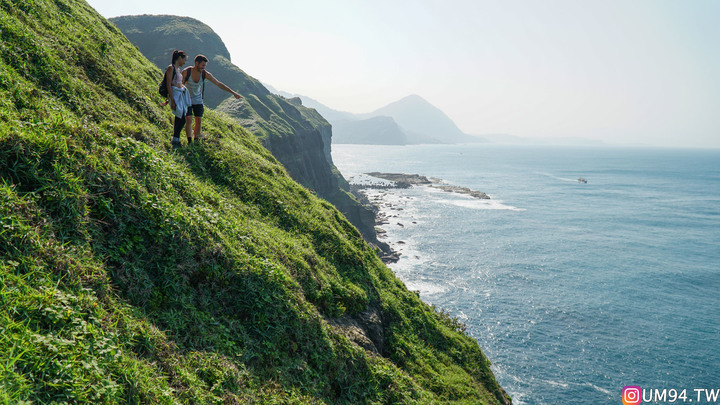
[131,272]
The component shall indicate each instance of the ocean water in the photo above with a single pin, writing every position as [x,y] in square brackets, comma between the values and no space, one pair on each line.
[572,290]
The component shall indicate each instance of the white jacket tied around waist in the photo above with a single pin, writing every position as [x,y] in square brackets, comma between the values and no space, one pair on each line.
[182,101]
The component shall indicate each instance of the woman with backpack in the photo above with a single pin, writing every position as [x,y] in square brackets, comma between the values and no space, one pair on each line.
[178,95]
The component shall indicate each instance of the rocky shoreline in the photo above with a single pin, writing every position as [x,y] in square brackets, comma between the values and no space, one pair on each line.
[388,181]
[386,252]
[402,180]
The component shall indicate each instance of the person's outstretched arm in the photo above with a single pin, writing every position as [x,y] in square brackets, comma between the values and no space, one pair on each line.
[221,85]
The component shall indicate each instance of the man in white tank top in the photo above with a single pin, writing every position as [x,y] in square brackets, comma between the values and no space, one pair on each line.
[194,78]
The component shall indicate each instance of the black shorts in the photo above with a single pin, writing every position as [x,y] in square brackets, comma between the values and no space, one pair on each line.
[196,109]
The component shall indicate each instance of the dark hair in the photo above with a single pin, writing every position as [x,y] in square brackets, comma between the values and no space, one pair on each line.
[200,58]
[178,54]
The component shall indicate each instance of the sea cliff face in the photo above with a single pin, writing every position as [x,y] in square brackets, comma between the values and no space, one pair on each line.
[297,144]
[319,122]
[303,154]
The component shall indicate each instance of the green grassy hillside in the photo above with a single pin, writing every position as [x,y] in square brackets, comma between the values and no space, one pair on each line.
[130,273]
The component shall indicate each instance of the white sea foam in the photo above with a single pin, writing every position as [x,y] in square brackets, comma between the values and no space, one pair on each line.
[425,288]
[476,204]
[600,389]
[411,259]
[587,384]
[552,176]
[557,383]
[467,201]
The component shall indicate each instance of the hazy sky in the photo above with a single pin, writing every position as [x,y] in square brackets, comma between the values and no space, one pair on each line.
[623,71]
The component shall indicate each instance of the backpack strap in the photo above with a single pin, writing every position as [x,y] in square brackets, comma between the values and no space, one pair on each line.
[188,76]
[203,90]
[173,74]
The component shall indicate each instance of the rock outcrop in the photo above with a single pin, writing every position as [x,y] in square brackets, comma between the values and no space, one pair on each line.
[403,180]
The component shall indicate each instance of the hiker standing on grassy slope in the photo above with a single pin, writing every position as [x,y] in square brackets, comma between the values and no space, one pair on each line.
[179,96]
[194,79]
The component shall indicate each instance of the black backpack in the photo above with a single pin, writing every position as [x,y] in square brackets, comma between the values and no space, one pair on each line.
[163,90]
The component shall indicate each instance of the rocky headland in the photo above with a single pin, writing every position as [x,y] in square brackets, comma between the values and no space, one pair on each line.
[402,180]
[366,190]
[462,190]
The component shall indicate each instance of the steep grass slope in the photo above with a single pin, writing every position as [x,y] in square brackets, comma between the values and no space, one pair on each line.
[130,273]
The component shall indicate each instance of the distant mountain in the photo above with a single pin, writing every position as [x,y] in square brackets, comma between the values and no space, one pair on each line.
[411,120]
[423,122]
[371,131]
[352,128]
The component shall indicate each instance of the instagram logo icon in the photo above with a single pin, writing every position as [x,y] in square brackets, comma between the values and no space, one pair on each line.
[632,395]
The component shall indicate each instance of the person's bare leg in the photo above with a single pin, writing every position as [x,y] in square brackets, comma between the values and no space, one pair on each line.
[198,126]
[188,123]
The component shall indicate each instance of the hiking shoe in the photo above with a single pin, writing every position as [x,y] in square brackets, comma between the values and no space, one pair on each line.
[176,143]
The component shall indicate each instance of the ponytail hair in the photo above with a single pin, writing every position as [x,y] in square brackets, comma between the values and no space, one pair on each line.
[178,54]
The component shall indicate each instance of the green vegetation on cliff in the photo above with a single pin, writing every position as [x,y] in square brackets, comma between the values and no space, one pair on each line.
[130,273]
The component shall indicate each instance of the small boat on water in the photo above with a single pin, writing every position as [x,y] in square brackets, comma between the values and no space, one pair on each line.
[581,180]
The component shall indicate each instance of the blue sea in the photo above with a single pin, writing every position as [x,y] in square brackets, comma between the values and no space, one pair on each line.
[573,290]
